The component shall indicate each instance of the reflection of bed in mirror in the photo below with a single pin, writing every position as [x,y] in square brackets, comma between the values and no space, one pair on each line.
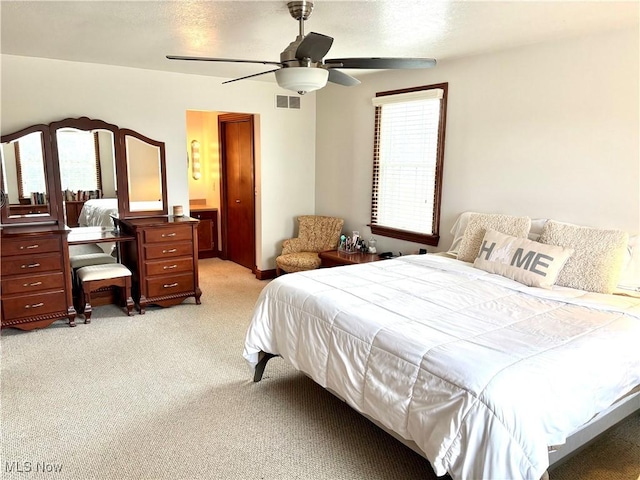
[97,212]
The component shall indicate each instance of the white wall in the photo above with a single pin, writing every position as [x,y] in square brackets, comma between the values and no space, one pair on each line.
[154,103]
[548,130]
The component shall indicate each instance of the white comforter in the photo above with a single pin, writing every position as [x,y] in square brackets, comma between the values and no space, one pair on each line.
[97,212]
[481,372]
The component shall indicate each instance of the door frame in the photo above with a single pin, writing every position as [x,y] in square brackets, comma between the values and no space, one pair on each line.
[224,205]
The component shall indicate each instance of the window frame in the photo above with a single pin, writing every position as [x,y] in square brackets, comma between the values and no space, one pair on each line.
[96,160]
[386,231]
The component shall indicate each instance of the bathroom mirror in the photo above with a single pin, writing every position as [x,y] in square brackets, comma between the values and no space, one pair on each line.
[28,177]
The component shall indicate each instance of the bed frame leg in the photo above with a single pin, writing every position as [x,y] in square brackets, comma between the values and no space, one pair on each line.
[263,358]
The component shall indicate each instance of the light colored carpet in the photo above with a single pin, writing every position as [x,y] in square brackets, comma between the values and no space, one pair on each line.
[167,395]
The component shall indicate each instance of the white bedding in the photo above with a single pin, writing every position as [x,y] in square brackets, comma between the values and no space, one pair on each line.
[97,212]
[481,372]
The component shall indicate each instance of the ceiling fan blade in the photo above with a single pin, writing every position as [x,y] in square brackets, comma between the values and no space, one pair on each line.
[336,76]
[210,59]
[249,76]
[381,63]
[314,46]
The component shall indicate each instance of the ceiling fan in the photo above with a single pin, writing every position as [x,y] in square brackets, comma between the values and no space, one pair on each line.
[301,67]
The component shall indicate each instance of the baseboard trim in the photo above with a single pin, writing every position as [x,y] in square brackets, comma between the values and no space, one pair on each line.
[265,274]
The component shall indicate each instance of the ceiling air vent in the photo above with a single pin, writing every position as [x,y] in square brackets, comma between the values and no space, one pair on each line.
[294,102]
[283,101]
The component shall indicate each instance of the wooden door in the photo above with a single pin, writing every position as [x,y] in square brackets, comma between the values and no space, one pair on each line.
[238,187]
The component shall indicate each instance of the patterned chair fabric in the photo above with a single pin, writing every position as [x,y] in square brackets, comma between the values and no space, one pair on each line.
[316,233]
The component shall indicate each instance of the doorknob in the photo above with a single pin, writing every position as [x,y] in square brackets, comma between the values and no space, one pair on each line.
[237,201]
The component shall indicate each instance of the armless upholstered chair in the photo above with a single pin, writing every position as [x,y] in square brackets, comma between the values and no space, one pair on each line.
[316,233]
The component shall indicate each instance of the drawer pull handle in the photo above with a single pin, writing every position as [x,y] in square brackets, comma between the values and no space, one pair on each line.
[170,285]
[34,284]
[31,265]
[28,247]
[169,267]
[168,235]
[35,305]
[171,250]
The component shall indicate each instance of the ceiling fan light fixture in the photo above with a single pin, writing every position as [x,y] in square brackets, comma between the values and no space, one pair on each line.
[302,79]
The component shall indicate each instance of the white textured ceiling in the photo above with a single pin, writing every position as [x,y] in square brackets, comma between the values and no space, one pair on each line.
[140,33]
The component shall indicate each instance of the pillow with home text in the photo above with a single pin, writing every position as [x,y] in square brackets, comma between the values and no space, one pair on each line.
[520,259]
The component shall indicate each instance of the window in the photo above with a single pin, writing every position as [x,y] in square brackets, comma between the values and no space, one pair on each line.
[407,163]
[29,161]
[79,160]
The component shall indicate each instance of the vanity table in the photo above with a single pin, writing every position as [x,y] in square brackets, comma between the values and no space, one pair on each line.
[88,235]
[130,170]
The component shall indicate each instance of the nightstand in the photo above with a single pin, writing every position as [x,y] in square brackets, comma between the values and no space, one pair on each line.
[335,258]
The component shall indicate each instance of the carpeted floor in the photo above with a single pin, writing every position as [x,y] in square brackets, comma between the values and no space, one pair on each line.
[167,395]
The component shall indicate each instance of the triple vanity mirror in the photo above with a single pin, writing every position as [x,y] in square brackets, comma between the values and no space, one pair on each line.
[49,171]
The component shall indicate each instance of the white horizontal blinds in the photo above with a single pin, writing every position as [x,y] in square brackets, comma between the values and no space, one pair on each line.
[30,158]
[405,160]
[76,149]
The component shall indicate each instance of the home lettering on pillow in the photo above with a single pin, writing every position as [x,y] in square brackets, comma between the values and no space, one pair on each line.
[520,259]
[530,261]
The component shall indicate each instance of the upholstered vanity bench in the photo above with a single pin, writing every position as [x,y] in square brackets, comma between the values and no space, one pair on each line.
[94,277]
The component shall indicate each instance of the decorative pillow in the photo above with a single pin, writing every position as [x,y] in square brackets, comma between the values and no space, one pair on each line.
[537,224]
[599,254]
[478,225]
[520,259]
[458,232]
[630,272]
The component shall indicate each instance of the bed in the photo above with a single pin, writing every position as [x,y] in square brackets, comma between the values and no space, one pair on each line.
[97,212]
[480,373]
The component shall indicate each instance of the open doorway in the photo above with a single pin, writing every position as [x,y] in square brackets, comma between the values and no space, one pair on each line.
[221,160]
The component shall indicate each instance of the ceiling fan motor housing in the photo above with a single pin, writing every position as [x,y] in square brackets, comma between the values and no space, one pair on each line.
[301,9]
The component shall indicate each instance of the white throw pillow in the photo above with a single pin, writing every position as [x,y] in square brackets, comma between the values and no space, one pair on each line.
[478,225]
[599,254]
[630,273]
[520,259]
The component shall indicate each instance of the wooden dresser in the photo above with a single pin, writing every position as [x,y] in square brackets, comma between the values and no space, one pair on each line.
[36,277]
[163,259]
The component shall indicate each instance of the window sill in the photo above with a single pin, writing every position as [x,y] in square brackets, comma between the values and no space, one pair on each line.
[415,237]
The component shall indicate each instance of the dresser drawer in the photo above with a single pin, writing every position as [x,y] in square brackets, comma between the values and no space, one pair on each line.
[170,284]
[28,264]
[182,249]
[169,266]
[30,246]
[166,234]
[21,306]
[32,283]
